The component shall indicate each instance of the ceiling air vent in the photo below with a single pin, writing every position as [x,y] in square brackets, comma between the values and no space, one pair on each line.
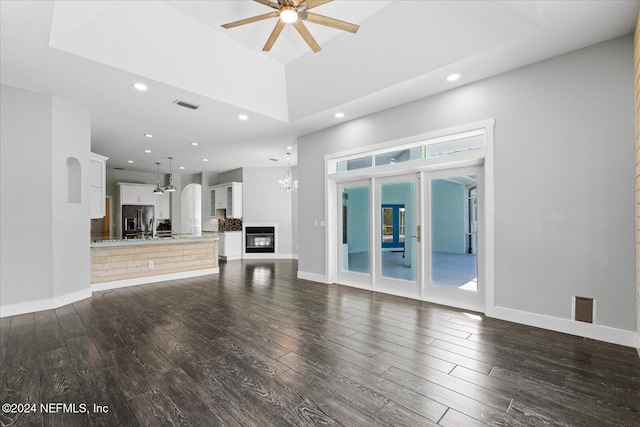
[186,104]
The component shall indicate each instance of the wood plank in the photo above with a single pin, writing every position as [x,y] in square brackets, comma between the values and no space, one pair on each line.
[130,261]
[198,407]
[59,382]
[155,409]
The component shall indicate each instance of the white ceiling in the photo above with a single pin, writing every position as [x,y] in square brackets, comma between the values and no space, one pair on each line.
[92,52]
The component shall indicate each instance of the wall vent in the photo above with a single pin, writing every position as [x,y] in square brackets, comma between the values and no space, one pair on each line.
[186,104]
[583,308]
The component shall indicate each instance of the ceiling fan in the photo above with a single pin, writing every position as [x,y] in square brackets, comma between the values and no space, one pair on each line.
[294,12]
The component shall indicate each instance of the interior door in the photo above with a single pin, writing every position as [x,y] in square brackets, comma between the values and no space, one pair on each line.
[397,239]
[454,215]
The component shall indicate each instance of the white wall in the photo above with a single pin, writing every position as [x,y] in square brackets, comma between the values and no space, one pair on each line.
[564,178]
[264,202]
[44,240]
[26,207]
[71,137]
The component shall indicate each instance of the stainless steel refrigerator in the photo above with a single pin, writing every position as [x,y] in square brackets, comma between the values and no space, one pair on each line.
[137,221]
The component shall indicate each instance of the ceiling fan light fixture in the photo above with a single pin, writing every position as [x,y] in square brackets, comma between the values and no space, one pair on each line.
[288,14]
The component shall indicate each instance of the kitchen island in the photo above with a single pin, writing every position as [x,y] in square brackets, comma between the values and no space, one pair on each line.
[118,263]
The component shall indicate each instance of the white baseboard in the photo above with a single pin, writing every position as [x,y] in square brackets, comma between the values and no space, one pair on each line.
[586,330]
[321,278]
[152,279]
[59,301]
[572,327]
[44,304]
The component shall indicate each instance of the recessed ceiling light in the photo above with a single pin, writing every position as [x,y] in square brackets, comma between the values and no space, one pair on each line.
[205,160]
[148,135]
[181,167]
[141,86]
[289,148]
[147,151]
[194,143]
[243,117]
[453,77]
[339,115]
[129,161]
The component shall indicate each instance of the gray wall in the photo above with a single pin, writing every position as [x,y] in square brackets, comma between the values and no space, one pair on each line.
[264,202]
[235,175]
[564,177]
[133,177]
[26,205]
[43,237]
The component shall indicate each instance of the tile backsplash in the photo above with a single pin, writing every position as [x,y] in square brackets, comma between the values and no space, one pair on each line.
[230,224]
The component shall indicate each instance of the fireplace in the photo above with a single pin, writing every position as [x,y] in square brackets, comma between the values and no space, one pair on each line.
[260,240]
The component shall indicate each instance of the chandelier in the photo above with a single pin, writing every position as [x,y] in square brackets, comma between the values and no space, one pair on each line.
[288,184]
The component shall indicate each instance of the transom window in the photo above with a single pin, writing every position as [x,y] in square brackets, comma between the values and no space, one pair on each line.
[416,150]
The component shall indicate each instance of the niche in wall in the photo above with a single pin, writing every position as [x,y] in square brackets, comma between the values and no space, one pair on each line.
[74,181]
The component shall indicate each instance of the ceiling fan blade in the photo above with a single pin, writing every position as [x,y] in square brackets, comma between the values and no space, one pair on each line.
[274,35]
[250,20]
[315,3]
[331,22]
[306,35]
[268,3]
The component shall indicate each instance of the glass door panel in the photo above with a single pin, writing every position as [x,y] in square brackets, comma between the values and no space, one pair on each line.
[397,243]
[452,258]
[354,263]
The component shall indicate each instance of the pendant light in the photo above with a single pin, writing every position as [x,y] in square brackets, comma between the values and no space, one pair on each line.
[288,184]
[170,187]
[158,189]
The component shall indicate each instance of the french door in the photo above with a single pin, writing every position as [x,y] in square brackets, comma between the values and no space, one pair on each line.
[417,235]
[355,258]
[453,206]
[396,237]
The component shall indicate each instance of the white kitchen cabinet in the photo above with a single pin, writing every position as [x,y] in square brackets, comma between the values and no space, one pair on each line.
[136,194]
[221,197]
[226,200]
[162,206]
[97,185]
[230,245]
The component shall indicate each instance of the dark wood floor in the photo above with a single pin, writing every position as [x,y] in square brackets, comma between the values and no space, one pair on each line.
[254,346]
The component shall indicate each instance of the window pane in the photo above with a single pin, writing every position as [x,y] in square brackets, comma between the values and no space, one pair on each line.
[455,146]
[398,156]
[398,215]
[348,165]
[453,233]
[355,229]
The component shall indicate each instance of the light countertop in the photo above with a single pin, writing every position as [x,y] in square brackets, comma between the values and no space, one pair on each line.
[162,241]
